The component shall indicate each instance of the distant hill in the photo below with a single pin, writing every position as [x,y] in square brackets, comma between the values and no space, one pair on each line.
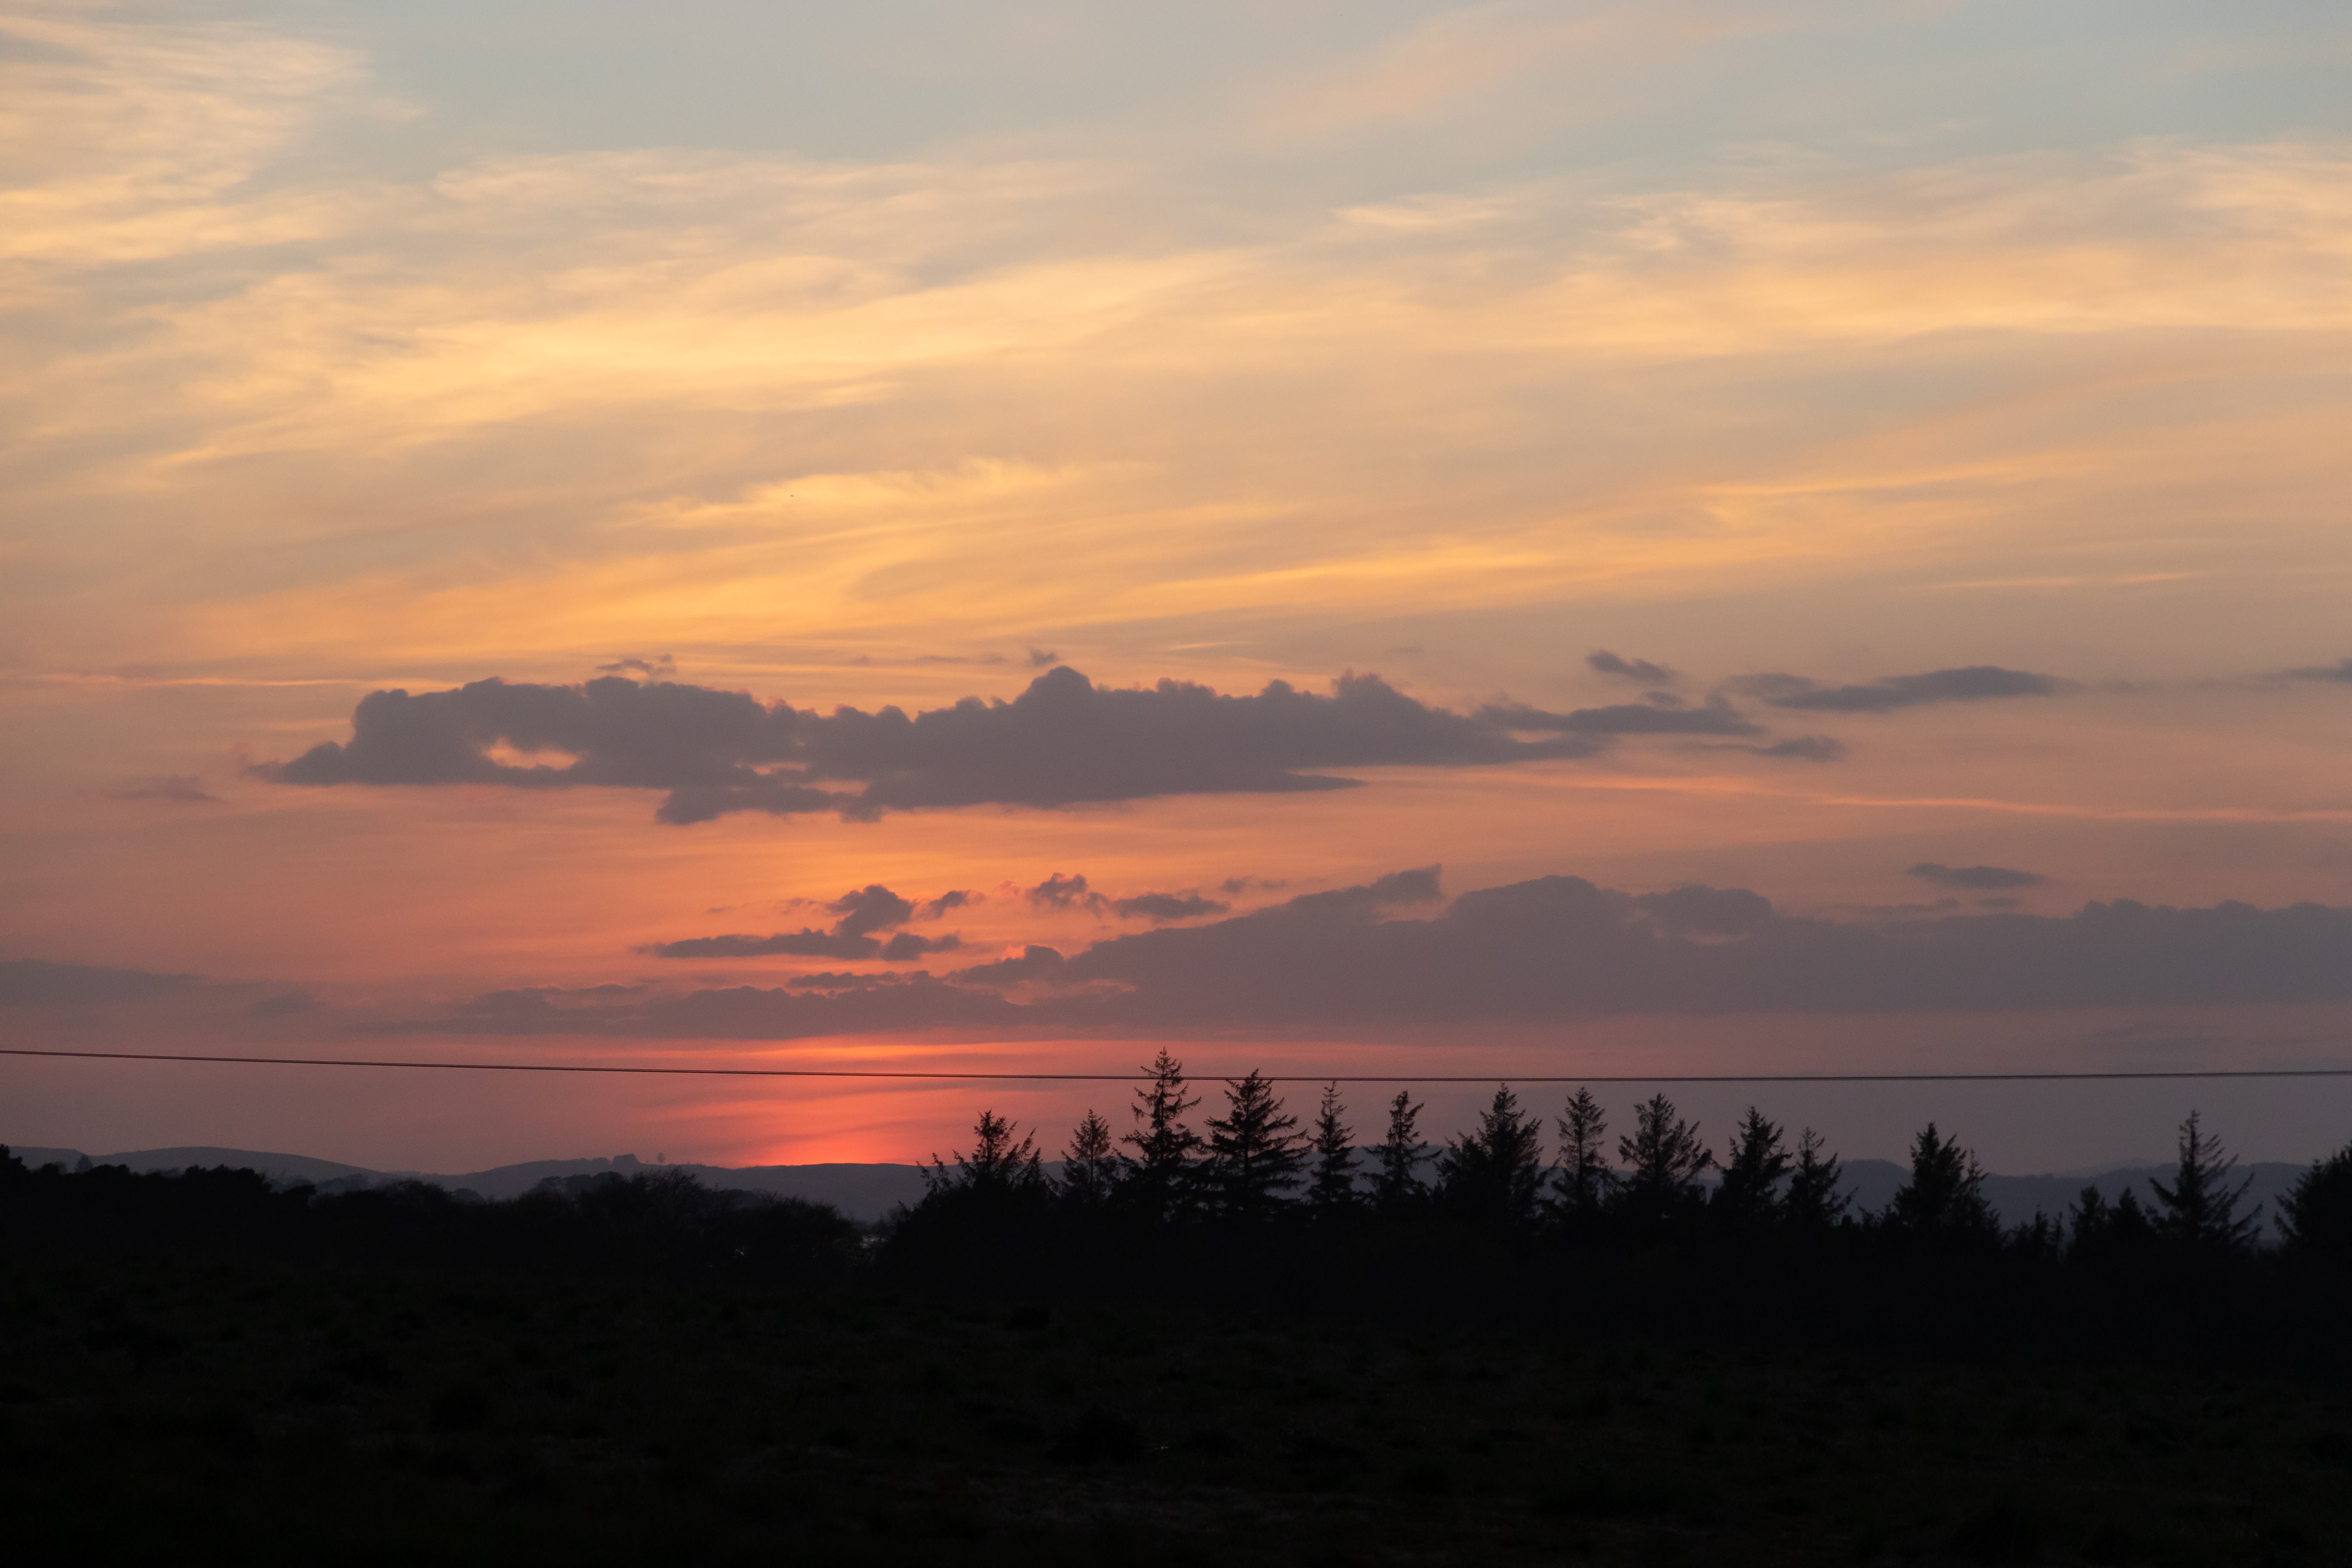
[867,1192]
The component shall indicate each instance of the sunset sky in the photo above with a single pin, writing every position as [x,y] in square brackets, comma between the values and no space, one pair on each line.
[1512,538]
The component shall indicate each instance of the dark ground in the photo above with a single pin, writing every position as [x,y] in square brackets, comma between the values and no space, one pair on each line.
[172,1408]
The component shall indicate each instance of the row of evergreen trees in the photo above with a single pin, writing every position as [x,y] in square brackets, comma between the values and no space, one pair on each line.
[1257,1165]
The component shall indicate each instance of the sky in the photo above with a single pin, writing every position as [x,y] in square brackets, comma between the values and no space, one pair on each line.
[1509,540]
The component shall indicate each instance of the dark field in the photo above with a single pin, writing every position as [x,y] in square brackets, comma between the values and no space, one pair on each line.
[162,1407]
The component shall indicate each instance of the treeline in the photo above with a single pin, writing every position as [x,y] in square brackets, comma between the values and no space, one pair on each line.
[658,1223]
[1658,1185]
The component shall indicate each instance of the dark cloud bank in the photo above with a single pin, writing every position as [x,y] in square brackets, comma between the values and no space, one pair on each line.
[1063,741]
[1557,948]
[863,912]
[1983,878]
[1973,684]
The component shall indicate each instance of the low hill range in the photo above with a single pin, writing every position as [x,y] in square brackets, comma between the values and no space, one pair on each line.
[865,1193]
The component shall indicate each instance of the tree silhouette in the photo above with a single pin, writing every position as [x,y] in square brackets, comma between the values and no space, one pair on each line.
[1331,1191]
[1398,1190]
[2098,1231]
[997,1166]
[1157,1183]
[2199,1210]
[1492,1176]
[1585,1179]
[1813,1203]
[1747,1197]
[1944,1200]
[1663,1156]
[1254,1152]
[1090,1166]
[2315,1218]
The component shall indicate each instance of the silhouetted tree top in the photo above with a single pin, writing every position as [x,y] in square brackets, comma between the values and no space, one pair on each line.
[1331,1189]
[1944,1199]
[2199,1209]
[1089,1165]
[1494,1177]
[1254,1152]
[1813,1203]
[1157,1181]
[2098,1231]
[1748,1195]
[2315,1218]
[997,1163]
[1398,1190]
[1663,1156]
[1586,1181]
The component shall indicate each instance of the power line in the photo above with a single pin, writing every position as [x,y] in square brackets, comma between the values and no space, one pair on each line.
[2169,1073]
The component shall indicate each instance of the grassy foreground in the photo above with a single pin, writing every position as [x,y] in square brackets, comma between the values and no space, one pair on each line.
[153,1405]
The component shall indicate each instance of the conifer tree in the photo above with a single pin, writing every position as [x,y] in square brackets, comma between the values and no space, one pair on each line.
[1398,1191]
[2315,1217]
[1090,1166]
[2098,1231]
[1944,1200]
[1812,1204]
[1254,1152]
[1492,1176]
[998,1163]
[2199,1210]
[1157,1182]
[1585,1179]
[1663,1157]
[1331,1191]
[1753,1166]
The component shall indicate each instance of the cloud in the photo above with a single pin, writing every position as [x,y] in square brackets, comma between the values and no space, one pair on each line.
[959,658]
[907,945]
[2337,672]
[35,983]
[1695,911]
[1234,887]
[1639,669]
[285,1005]
[1063,741]
[840,980]
[1165,907]
[1549,950]
[871,908]
[1974,683]
[1806,748]
[1043,658]
[862,911]
[1035,964]
[184,787]
[934,909]
[660,667]
[1983,878]
[1667,717]
[1060,892]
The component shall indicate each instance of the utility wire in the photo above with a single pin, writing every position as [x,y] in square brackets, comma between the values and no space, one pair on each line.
[1145,1077]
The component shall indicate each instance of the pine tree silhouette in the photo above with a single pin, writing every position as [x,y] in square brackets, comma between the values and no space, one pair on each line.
[1944,1200]
[1090,1166]
[1331,1191]
[1398,1191]
[1663,1156]
[1812,1204]
[1494,1177]
[1158,1182]
[1585,1179]
[1747,1199]
[2199,1210]
[997,1166]
[1254,1152]
[2315,1217]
